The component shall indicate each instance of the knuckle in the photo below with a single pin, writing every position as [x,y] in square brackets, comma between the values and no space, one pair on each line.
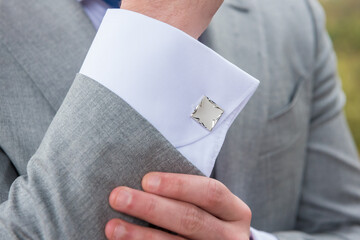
[235,235]
[230,235]
[192,221]
[150,207]
[179,187]
[231,232]
[222,231]
[235,230]
[216,192]
[247,213]
[244,236]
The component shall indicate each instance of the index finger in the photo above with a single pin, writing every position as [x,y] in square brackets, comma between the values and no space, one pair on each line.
[206,193]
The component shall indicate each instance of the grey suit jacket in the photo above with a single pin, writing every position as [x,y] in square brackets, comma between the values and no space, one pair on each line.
[289,154]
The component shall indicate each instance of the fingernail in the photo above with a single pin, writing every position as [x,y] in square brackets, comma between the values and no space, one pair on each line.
[153,182]
[123,198]
[119,232]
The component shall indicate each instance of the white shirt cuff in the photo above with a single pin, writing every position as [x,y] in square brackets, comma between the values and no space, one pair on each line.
[163,73]
[260,235]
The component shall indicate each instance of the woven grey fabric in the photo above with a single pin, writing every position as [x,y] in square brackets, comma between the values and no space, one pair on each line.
[289,155]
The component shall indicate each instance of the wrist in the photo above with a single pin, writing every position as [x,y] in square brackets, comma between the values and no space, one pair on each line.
[186,15]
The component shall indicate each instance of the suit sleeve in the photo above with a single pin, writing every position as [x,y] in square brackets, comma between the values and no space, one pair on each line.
[330,204]
[95,143]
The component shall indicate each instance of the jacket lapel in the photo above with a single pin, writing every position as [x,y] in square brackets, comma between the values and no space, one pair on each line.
[49,39]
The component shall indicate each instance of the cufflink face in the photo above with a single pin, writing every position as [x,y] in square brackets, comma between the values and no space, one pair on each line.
[207,113]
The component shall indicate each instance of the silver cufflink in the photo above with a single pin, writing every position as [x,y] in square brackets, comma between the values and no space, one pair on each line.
[207,113]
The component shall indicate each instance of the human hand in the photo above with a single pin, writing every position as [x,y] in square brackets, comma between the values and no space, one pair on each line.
[193,207]
[190,16]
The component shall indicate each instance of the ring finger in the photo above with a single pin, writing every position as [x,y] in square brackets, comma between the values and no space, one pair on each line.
[182,218]
[117,229]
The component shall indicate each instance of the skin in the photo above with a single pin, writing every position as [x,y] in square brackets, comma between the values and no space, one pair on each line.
[193,207]
[190,16]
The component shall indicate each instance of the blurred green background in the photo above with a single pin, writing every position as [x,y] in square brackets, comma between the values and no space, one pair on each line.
[343,23]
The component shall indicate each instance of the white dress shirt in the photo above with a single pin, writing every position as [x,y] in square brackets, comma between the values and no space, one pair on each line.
[163,74]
